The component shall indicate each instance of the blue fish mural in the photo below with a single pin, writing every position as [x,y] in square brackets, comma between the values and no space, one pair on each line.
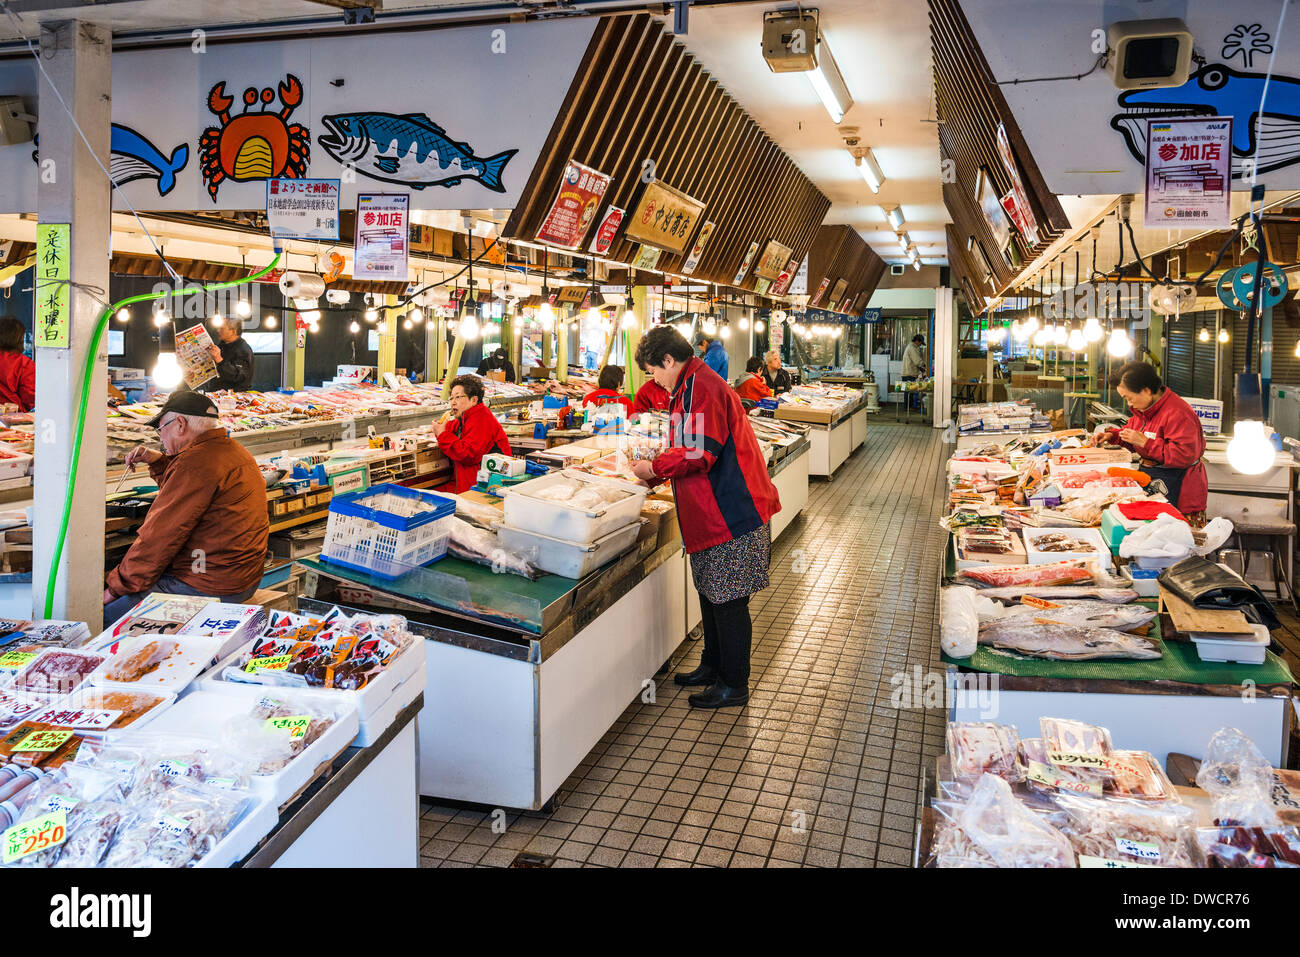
[1218,90]
[133,157]
[411,150]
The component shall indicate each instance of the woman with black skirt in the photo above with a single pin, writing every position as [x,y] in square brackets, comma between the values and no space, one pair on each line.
[725,501]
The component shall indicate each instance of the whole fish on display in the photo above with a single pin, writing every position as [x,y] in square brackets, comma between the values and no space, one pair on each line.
[1066,642]
[473,544]
[1117,596]
[1087,614]
[1074,571]
[411,150]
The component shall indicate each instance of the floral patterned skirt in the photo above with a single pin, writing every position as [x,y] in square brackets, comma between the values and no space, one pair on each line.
[734,569]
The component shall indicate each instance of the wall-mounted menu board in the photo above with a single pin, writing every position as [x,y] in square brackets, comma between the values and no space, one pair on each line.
[665,217]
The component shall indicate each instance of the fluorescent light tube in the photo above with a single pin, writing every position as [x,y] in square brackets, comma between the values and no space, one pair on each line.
[895,218]
[829,84]
[871,171]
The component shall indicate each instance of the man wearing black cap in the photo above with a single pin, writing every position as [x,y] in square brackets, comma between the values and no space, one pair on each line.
[206,531]
[498,361]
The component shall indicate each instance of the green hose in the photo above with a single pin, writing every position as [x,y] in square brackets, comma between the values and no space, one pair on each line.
[100,326]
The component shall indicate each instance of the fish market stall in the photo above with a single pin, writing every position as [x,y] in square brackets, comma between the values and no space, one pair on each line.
[1048,623]
[837,420]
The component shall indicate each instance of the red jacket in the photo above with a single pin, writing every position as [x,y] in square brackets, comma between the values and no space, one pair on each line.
[18,380]
[599,397]
[468,438]
[650,397]
[1179,444]
[754,388]
[719,477]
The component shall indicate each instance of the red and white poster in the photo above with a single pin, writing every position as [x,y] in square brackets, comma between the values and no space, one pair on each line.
[1189,172]
[608,229]
[821,291]
[783,281]
[581,191]
[382,244]
[1027,224]
[698,249]
[743,271]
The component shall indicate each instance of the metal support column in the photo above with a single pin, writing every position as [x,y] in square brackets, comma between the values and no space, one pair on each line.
[78,60]
[945,354]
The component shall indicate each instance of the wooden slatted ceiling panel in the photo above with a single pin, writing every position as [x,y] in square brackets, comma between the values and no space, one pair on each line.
[639,95]
[839,252]
[970,110]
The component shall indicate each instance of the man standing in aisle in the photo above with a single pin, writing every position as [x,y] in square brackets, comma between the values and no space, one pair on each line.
[914,364]
[715,356]
[777,379]
[206,531]
[234,358]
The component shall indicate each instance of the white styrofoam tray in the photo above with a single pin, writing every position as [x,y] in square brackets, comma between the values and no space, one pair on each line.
[523,509]
[1145,587]
[1242,650]
[204,714]
[565,558]
[194,653]
[85,697]
[1090,535]
[370,702]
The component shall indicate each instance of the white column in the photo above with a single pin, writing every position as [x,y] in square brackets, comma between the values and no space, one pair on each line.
[945,347]
[78,59]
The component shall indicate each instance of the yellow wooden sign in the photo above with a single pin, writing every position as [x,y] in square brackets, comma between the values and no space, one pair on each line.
[53,259]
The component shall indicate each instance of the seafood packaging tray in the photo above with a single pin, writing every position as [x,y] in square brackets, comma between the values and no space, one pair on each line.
[1145,587]
[526,510]
[376,704]
[1089,535]
[565,558]
[202,714]
[258,820]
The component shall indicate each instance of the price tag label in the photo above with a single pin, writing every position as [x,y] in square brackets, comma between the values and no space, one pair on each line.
[1139,849]
[295,724]
[14,660]
[36,835]
[1053,778]
[1073,759]
[1088,861]
[171,825]
[1033,602]
[273,663]
[44,740]
[88,719]
[61,802]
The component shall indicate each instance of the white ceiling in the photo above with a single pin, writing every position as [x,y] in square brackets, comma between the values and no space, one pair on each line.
[883,51]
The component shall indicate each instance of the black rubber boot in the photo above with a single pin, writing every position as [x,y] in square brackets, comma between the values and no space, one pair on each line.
[720,696]
[703,675]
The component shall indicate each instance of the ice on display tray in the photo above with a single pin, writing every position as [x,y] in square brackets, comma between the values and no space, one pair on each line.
[528,506]
[209,714]
[157,662]
[376,703]
[1036,542]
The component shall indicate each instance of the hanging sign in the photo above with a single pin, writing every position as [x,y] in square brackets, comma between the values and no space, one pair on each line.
[382,236]
[787,276]
[1189,172]
[607,230]
[872,314]
[1026,222]
[52,272]
[647,257]
[748,261]
[837,291]
[775,256]
[821,291]
[303,208]
[575,205]
[698,249]
[799,287]
[664,217]
[761,286]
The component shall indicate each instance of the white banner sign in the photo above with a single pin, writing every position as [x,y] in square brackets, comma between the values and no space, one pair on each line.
[383,224]
[303,208]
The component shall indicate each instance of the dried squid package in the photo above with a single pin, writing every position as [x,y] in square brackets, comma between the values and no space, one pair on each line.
[274,732]
[1240,780]
[982,747]
[176,828]
[1011,834]
[1129,831]
[1043,777]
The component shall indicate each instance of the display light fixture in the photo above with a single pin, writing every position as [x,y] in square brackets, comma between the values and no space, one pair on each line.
[725,331]
[629,317]
[469,327]
[124,314]
[744,323]
[416,315]
[1077,342]
[167,372]
[354,327]
[684,328]
[870,170]
[382,327]
[1060,335]
[1092,330]
[408,324]
[1204,335]
[546,316]
[243,308]
[269,322]
[1119,344]
[894,217]
[758,325]
[828,83]
[1223,335]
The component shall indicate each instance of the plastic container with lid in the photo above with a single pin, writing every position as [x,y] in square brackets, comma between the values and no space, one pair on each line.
[1241,650]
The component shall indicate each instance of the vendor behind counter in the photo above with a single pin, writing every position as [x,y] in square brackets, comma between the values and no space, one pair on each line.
[468,432]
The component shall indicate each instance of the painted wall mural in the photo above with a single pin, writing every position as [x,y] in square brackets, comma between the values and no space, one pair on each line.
[350,108]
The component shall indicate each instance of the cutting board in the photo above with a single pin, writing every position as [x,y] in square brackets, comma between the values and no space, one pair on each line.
[1187,618]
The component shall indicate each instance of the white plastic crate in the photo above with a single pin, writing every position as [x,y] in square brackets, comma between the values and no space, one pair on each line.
[387,529]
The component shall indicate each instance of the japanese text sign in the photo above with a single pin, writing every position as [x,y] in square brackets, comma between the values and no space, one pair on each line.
[1189,172]
[53,317]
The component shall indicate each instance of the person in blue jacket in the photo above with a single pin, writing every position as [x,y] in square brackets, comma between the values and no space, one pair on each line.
[714,354]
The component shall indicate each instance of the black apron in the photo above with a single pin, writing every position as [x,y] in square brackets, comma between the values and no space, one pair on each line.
[1173,479]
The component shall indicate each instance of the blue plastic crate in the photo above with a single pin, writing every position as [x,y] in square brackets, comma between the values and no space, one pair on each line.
[388,529]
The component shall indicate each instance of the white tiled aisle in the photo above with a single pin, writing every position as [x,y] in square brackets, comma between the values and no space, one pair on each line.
[818,770]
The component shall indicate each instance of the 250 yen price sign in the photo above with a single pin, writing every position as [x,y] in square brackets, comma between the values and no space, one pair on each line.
[295,724]
[44,832]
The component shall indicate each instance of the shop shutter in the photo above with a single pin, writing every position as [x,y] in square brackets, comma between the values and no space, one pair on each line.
[1178,355]
[1202,386]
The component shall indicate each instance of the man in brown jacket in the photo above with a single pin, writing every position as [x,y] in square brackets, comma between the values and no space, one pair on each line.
[206,531]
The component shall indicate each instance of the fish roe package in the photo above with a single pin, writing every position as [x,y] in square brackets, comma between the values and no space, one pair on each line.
[976,748]
[1137,774]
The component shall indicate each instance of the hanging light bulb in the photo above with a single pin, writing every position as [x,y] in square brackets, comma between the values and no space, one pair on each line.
[1250,451]
[1119,344]
[1031,324]
[1092,330]
[1019,331]
[382,327]
[995,334]
[160,319]
[573,325]
[1076,341]
[744,323]
[1043,336]
[725,332]
[546,314]
[629,318]
[270,322]
[684,329]
[758,325]
[710,327]
[1204,335]
[469,327]
[1060,335]
[453,327]
[416,315]
[354,327]
[167,372]
[1223,335]
[311,315]
[243,308]
[313,327]
[124,314]
[372,315]
[408,324]
[593,315]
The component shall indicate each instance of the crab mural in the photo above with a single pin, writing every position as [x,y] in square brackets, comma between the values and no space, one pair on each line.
[254,145]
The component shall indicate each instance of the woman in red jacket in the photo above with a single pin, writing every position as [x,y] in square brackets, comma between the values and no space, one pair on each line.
[724,503]
[753,387]
[651,397]
[471,434]
[609,389]
[1167,434]
[17,371]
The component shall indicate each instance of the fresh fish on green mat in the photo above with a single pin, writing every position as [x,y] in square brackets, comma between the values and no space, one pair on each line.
[1066,642]
[1088,613]
[473,544]
[1117,596]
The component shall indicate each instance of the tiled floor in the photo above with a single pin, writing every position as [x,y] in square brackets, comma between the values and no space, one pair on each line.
[818,770]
